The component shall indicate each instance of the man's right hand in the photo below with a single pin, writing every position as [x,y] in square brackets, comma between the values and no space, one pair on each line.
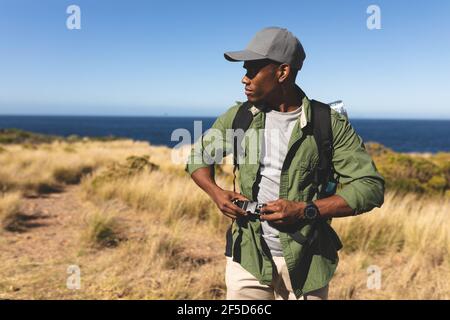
[223,200]
[204,178]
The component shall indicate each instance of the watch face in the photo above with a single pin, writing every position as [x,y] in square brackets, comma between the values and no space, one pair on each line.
[310,212]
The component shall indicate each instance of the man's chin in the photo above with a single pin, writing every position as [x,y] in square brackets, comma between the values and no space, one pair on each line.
[254,101]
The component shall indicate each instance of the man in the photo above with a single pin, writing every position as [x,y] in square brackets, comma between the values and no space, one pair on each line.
[283,253]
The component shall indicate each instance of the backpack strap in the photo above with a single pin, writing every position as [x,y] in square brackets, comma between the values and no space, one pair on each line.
[323,135]
[242,120]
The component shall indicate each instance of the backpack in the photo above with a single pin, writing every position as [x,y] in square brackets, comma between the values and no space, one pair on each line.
[323,183]
[322,132]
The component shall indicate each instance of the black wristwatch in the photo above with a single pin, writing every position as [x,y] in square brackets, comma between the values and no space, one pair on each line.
[311,212]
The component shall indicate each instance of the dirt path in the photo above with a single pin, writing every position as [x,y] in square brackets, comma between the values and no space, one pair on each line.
[44,239]
[34,258]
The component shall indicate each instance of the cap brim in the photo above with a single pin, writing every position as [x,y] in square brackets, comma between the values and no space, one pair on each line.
[244,55]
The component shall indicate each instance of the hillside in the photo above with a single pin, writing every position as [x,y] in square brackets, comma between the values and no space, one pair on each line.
[138,227]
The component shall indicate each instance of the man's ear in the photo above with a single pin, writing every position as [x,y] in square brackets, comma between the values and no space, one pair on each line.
[284,70]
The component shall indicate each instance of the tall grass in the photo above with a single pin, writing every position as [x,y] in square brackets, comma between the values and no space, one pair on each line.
[411,223]
[152,233]
[166,196]
[9,209]
[102,229]
[408,238]
[44,168]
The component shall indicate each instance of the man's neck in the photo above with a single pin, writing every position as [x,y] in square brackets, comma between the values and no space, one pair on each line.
[290,100]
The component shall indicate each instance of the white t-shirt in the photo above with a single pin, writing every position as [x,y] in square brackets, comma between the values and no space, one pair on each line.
[277,133]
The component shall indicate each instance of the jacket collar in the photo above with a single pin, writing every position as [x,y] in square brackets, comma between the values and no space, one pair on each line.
[305,115]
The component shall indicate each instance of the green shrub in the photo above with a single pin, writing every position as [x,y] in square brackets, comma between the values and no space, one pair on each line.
[412,173]
[9,136]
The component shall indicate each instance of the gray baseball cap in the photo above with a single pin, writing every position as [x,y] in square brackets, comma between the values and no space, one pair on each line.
[272,43]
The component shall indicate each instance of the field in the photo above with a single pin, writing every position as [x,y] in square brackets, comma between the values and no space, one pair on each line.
[138,227]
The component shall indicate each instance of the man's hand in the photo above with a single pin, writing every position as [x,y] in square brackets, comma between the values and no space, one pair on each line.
[204,178]
[282,212]
[223,200]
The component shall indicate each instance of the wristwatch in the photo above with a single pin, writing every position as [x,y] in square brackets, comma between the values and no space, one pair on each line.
[311,211]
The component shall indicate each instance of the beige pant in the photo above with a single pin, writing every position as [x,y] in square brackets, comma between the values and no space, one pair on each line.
[242,285]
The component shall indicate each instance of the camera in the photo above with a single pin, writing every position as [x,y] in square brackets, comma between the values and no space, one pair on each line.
[250,207]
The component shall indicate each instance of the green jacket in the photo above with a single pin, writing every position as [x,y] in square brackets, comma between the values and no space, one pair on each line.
[311,265]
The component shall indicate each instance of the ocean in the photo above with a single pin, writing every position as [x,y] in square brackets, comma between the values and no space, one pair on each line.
[399,135]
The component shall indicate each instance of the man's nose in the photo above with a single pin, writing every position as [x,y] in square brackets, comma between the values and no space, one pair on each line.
[245,80]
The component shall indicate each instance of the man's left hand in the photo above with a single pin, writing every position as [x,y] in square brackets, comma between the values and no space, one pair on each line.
[282,212]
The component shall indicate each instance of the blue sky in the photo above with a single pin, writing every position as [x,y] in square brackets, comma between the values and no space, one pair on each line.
[166,57]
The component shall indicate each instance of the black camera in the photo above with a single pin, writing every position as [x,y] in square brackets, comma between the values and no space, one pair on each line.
[250,207]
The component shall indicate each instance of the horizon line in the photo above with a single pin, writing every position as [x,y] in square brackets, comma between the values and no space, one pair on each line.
[207,116]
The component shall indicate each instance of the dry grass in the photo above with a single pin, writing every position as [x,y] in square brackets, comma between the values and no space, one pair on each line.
[102,229]
[168,237]
[38,169]
[160,263]
[408,238]
[9,209]
[175,197]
